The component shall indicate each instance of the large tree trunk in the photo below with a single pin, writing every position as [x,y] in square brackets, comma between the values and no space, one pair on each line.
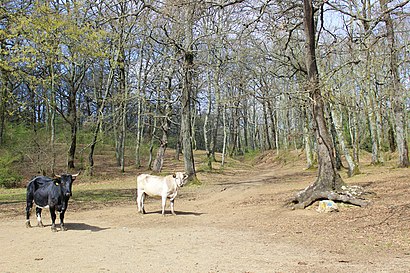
[187,92]
[328,183]
[186,117]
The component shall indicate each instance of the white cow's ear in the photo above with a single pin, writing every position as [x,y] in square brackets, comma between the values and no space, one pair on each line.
[174,175]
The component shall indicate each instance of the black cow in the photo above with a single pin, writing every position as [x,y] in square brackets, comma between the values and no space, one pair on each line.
[47,192]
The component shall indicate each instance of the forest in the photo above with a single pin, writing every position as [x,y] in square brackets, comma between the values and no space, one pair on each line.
[330,78]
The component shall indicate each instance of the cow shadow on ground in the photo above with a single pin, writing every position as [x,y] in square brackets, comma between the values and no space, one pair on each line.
[178,213]
[83,226]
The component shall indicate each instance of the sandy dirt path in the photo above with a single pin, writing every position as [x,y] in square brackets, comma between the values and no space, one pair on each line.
[237,225]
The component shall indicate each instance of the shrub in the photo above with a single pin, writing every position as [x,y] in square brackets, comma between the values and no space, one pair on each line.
[8,177]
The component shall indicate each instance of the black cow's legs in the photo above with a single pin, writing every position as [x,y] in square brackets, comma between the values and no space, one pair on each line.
[62,227]
[53,219]
[38,214]
[28,209]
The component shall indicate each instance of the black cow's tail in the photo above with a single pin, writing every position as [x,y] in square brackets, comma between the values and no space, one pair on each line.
[29,200]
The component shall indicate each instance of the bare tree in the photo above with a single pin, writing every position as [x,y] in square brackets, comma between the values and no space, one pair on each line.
[328,183]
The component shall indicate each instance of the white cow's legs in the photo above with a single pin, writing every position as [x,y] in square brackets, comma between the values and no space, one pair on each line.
[164,201]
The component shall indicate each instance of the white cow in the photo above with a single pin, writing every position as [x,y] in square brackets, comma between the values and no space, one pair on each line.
[163,186]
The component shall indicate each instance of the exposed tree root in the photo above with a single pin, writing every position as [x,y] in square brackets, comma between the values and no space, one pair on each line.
[346,194]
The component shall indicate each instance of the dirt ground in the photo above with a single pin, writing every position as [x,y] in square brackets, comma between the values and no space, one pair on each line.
[237,221]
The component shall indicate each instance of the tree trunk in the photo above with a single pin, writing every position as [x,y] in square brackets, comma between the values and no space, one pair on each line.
[178,148]
[337,121]
[186,118]
[3,99]
[140,132]
[166,123]
[123,108]
[214,131]
[207,128]
[153,136]
[354,132]
[374,133]
[100,99]
[225,137]
[52,121]
[370,95]
[245,127]
[397,91]
[72,117]
[333,133]
[328,183]
[266,127]
[307,140]
[273,123]
[159,160]
[187,92]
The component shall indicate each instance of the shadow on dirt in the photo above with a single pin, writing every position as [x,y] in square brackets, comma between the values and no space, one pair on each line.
[167,213]
[83,226]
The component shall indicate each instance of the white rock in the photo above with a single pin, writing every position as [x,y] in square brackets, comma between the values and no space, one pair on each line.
[327,206]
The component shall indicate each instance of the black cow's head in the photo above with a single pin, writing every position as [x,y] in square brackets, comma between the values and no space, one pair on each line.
[66,181]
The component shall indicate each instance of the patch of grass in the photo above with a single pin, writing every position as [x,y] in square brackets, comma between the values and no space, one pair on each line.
[96,195]
[104,195]
[8,196]
[195,182]
[250,156]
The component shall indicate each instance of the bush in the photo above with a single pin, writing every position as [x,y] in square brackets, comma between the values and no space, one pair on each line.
[8,177]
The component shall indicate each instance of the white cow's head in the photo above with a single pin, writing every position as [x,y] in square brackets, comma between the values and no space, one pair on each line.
[180,178]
